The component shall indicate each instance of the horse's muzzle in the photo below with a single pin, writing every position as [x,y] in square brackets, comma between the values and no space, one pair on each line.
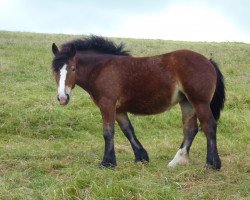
[63,100]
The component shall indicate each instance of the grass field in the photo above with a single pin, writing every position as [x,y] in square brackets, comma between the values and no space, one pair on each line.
[53,152]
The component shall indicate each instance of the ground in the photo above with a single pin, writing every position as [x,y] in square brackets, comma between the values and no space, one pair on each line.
[52,152]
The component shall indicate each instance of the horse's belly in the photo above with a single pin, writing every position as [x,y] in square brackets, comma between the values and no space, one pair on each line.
[155,95]
[147,110]
[148,106]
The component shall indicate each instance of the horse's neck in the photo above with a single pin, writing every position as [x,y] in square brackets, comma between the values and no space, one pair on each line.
[82,76]
[86,65]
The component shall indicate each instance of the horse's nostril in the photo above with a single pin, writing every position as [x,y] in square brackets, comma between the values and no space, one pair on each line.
[67,96]
[58,98]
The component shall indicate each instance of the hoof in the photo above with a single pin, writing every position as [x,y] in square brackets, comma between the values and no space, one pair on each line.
[181,158]
[173,163]
[142,156]
[215,164]
[107,165]
[141,161]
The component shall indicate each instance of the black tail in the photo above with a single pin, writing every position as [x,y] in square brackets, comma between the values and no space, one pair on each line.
[218,100]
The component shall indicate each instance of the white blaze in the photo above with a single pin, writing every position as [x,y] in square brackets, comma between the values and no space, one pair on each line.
[63,75]
[68,90]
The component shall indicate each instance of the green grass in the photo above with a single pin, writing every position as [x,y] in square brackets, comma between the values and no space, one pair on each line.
[53,152]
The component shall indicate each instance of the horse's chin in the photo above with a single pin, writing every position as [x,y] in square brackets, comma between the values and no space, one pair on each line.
[64,102]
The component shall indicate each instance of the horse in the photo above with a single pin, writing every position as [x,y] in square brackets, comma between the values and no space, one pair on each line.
[119,84]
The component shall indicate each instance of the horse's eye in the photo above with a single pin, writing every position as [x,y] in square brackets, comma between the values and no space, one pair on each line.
[73,69]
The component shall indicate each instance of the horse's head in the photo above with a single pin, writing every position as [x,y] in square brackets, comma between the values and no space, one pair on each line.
[64,68]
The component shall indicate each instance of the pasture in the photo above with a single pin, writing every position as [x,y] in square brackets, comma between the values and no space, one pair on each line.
[52,152]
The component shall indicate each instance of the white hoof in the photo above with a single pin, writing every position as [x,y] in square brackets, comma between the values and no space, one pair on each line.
[181,158]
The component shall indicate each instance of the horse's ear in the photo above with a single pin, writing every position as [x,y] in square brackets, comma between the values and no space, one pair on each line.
[54,49]
[72,50]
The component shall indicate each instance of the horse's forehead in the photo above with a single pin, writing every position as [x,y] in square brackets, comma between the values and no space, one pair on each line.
[59,61]
[63,70]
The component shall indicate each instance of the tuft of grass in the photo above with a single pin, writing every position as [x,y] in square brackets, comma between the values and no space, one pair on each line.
[53,152]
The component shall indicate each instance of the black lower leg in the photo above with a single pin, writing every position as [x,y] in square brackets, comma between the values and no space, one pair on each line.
[189,136]
[109,159]
[213,159]
[139,152]
[190,126]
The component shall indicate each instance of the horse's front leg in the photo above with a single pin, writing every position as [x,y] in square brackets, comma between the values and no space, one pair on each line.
[108,116]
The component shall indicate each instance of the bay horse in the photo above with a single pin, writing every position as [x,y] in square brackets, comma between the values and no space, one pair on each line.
[119,84]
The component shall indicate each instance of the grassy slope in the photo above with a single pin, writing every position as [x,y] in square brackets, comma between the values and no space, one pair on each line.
[52,152]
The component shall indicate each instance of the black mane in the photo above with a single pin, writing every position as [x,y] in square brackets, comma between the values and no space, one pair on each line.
[98,44]
[91,43]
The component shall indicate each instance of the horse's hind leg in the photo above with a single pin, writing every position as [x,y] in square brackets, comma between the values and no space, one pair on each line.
[209,126]
[128,130]
[190,129]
